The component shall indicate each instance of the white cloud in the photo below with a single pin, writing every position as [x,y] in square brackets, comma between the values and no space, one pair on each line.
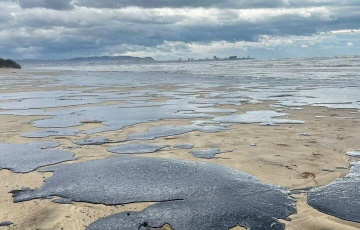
[74,29]
[178,16]
[346,31]
[242,48]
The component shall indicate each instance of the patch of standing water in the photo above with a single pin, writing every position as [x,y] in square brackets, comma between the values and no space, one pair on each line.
[259,116]
[185,191]
[207,154]
[136,148]
[340,198]
[24,158]
[51,132]
[114,117]
[94,141]
[184,146]
[355,153]
[164,131]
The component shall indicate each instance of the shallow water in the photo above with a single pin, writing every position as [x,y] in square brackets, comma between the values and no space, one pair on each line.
[136,148]
[341,197]
[28,157]
[207,154]
[192,195]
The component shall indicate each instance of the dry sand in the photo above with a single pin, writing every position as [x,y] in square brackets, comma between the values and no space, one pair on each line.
[281,156]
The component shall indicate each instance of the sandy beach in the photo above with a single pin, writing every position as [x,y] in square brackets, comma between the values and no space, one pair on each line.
[294,156]
[179,115]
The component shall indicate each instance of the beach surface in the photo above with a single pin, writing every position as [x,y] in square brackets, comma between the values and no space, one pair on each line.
[285,131]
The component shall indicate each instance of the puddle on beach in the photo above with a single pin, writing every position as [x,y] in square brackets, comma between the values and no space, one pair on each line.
[28,157]
[186,190]
[136,148]
[208,153]
[341,197]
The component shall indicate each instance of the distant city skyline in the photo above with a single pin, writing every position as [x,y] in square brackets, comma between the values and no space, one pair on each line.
[173,30]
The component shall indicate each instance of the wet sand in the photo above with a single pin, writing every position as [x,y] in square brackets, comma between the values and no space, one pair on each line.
[279,155]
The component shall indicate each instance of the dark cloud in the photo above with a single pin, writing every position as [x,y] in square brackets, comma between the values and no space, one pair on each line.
[88,40]
[347,18]
[50,4]
[144,28]
[179,3]
[238,4]
[63,29]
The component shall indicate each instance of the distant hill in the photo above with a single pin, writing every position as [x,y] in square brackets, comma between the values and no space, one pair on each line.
[111,58]
[92,60]
[8,63]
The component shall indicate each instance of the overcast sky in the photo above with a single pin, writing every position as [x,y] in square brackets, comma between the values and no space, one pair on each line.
[172,29]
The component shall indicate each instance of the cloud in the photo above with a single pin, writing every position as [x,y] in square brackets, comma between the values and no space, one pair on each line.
[350,44]
[231,4]
[224,4]
[50,4]
[69,28]
[179,3]
[265,47]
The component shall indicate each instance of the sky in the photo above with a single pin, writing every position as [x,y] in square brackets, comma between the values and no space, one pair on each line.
[173,29]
